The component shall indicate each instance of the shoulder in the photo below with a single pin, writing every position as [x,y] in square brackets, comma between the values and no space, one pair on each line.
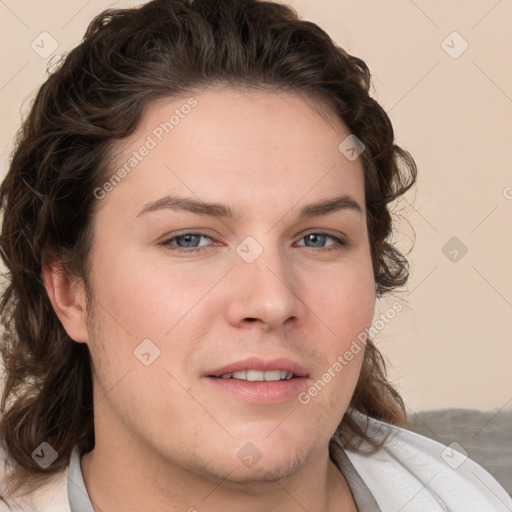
[48,495]
[414,473]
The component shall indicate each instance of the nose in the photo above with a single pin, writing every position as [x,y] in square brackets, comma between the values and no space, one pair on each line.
[264,292]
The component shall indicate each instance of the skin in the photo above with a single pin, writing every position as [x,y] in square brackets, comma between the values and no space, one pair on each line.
[165,438]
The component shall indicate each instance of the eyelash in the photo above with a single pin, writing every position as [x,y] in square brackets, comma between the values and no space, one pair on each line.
[167,243]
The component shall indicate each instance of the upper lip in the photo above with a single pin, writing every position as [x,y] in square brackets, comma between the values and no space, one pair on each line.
[255,363]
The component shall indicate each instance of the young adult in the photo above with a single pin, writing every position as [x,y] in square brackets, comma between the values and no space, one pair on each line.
[196,225]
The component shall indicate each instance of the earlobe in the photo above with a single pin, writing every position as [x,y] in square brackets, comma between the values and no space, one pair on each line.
[67,295]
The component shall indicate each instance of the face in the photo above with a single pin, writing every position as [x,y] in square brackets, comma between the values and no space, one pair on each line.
[191,300]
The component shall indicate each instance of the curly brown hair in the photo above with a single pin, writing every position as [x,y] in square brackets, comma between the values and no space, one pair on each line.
[128,59]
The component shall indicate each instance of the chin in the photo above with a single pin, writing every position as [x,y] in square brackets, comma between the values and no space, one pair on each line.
[271,468]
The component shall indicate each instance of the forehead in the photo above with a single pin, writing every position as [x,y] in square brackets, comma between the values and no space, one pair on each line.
[245,147]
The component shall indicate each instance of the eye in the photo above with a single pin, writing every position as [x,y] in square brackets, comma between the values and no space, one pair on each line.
[186,242]
[318,239]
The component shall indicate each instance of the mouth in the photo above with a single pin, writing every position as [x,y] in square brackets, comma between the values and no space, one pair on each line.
[254,369]
[259,381]
[258,375]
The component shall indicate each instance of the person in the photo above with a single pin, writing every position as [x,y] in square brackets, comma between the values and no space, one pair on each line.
[196,225]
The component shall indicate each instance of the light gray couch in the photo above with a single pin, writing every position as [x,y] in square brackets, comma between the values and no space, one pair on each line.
[486,436]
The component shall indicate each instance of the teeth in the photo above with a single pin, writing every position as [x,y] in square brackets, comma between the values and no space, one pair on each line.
[273,375]
[254,376]
[259,376]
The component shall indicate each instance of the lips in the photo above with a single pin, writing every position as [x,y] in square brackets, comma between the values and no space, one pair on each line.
[259,375]
[254,380]
[256,369]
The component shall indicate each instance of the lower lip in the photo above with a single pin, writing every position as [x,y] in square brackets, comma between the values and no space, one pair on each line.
[261,392]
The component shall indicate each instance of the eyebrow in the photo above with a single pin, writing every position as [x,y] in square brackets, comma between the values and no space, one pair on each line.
[323,207]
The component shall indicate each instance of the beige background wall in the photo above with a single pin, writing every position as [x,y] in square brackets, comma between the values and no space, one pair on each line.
[452,109]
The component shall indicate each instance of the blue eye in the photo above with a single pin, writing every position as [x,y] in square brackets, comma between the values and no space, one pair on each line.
[188,242]
[322,237]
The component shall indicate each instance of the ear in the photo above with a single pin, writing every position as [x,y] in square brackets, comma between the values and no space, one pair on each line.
[68,298]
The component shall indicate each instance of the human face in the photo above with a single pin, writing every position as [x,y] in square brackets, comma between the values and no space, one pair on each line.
[249,286]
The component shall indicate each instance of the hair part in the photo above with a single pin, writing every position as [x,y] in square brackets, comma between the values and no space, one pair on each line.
[128,59]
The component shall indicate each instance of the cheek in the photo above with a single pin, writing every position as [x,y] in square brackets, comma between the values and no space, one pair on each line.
[147,309]
[345,303]
[345,306]
[144,298]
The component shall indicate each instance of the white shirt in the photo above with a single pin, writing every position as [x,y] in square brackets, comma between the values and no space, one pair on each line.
[410,473]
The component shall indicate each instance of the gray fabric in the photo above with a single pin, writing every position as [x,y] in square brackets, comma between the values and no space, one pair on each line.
[485,435]
[79,499]
[362,496]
